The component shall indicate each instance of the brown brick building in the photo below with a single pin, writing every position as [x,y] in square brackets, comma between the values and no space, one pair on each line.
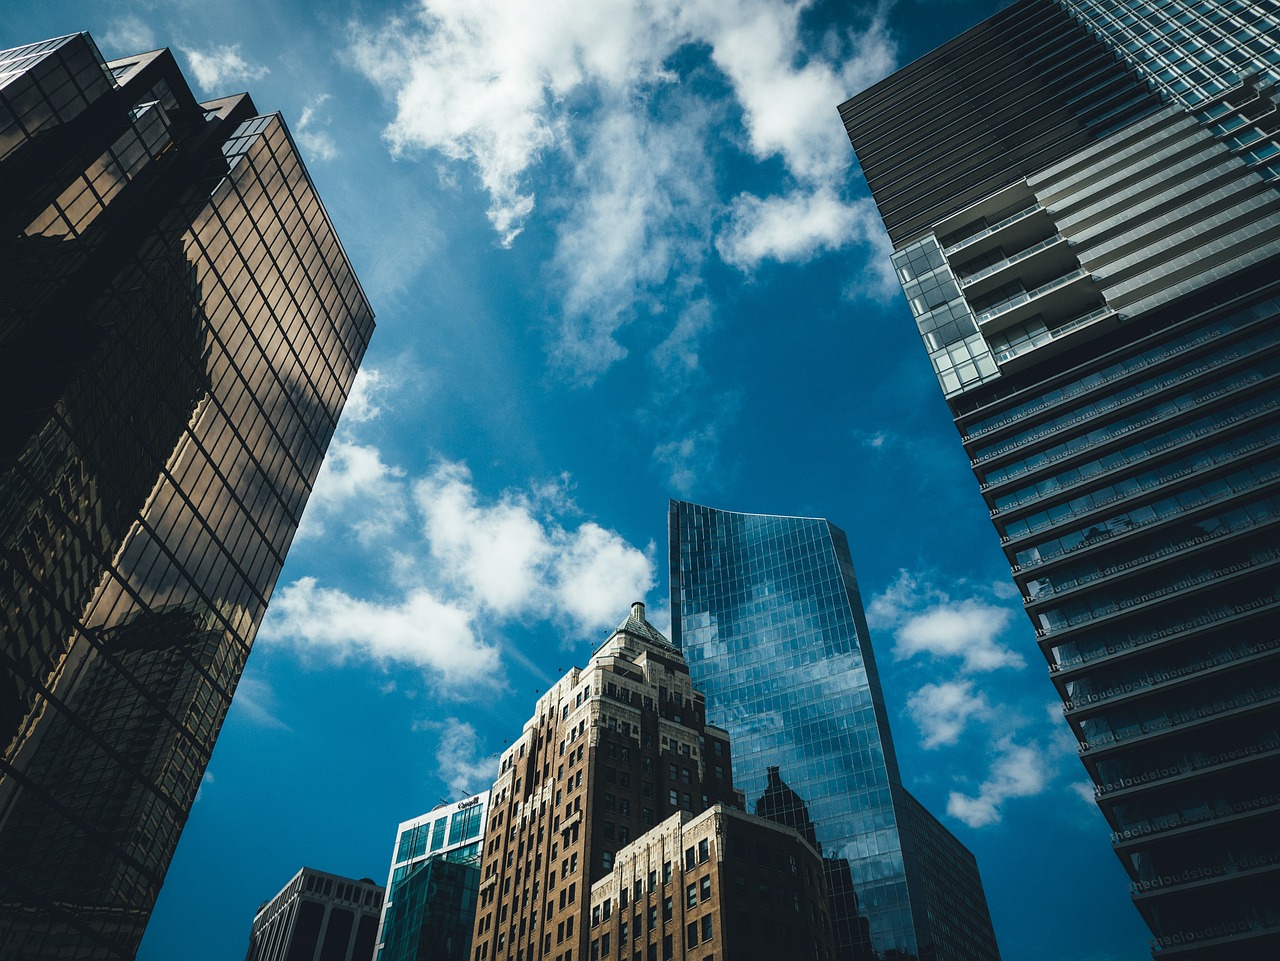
[721,884]
[612,752]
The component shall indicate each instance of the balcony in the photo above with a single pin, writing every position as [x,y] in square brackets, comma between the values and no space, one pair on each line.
[1067,294]
[1182,720]
[973,244]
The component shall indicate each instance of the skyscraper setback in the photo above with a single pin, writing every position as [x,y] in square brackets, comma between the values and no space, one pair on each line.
[179,328]
[767,612]
[1082,198]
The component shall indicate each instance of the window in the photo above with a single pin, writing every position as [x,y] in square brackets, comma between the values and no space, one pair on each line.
[622,935]
[668,949]
[691,935]
[674,797]
[691,896]
[604,945]
[706,928]
[704,850]
[666,872]
[688,858]
[705,885]
[667,911]
[606,861]
[653,917]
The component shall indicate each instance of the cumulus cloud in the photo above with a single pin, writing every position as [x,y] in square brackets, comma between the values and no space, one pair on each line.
[357,487]
[792,227]
[459,759]
[928,621]
[511,558]
[1017,771]
[367,394]
[217,67]
[419,628]
[942,711]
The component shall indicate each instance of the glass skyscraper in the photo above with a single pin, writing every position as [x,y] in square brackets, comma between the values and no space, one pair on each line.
[767,613]
[179,327]
[433,884]
[1088,234]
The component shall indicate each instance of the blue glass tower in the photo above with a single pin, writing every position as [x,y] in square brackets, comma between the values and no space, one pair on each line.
[767,612]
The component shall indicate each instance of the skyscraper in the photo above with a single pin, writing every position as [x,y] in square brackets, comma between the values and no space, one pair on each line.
[767,613]
[1087,229]
[614,776]
[179,327]
[433,883]
[317,917]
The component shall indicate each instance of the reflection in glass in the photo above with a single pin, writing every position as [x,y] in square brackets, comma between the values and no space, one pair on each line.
[767,612]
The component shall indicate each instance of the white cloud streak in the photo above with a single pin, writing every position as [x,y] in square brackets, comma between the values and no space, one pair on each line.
[459,758]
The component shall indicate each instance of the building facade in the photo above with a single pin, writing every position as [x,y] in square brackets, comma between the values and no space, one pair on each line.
[179,327]
[1103,316]
[720,884]
[317,917]
[433,884]
[767,612]
[612,752]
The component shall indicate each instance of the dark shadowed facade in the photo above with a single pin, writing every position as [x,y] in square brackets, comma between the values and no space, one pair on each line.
[317,917]
[766,610]
[1096,278]
[179,328]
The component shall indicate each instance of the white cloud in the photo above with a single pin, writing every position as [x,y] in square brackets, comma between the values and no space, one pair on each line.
[356,487]
[420,628]
[687,459]
[461,765]
[510,559]
[638,220]
[942,711]
[926,620]
[128,35]
[1084,791]
[1017,771]
[507,88]
[207,779]
[256,702]
[368,391]
[678,354]
[966,629]
[219,66]
[315,140]
[792,228]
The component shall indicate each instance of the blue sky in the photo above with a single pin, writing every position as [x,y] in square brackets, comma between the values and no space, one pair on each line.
[619,251]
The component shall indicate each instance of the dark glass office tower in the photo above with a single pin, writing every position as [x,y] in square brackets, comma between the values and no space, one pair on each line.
[179,327]
[767,613]
[1104,320]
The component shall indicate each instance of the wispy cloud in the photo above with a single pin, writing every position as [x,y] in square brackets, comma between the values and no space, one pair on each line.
[256,702]
[218,67]
[1018,770]
[573,101]
[311,134]
[128,35]
[461,763]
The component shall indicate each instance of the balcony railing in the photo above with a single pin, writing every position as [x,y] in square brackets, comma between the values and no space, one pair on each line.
[1074,323]
[970,279]
[1170,822]
[1184,718]
[1027,296]
[988,231]
[1266,747]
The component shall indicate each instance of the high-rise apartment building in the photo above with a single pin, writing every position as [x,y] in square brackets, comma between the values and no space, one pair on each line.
[179,327]
[317,917]
[433,884]
[766,611]
[613,753]
[1082,198]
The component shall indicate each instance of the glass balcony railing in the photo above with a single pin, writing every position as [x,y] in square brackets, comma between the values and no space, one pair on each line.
[1266,747]
[1027,296]
[1176,819]
[1184,718]
[993,228]
[969,279]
